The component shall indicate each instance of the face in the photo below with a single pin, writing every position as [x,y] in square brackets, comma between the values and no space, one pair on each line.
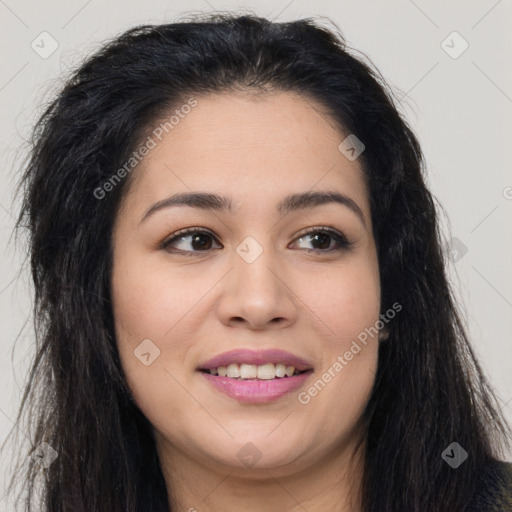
[298,279]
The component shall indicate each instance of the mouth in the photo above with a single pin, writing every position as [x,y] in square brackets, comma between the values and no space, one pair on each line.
[268,371]
[249,376]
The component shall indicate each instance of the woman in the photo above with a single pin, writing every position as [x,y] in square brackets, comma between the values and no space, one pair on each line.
[240,288]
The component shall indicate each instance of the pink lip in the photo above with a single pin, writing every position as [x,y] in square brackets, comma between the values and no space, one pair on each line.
[254,390]
[258,357]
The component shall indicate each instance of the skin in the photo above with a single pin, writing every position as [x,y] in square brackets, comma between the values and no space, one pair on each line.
[295,296]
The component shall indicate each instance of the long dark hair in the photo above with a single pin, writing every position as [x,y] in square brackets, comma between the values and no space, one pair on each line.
[429,389]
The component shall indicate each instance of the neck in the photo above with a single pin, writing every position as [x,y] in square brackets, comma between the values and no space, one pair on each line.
[333,483]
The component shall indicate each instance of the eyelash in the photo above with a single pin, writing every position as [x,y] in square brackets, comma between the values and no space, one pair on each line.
[343,243]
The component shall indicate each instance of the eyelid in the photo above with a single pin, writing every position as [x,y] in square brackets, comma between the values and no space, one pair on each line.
[343,242]
[185,232]
[323,229]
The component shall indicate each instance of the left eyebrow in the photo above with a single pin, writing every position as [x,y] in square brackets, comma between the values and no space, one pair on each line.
[293,202]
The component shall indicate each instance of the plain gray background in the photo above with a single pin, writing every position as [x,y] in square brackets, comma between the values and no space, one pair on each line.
[457,99]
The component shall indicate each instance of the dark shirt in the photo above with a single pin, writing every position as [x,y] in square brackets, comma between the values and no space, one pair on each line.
[495,492]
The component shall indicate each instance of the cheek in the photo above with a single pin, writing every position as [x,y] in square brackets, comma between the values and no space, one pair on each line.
[150,300]
[147,312]
[342,302]
[140,317]
[345,308]
[157,312]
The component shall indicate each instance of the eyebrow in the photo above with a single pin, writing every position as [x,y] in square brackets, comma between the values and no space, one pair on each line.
[293,202]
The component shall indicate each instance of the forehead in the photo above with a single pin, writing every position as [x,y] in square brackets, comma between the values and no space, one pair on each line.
[251,147]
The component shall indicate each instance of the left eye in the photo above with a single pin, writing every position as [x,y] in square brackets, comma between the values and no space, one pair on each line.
[201,240]
[324,238]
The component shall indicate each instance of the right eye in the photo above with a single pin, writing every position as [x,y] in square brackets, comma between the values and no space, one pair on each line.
[198,239]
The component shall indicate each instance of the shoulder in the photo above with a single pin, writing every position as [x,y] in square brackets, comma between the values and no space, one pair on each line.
[495,490]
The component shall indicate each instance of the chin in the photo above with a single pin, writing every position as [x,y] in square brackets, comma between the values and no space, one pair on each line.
[254,454]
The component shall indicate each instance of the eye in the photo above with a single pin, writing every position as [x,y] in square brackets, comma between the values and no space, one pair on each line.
[324,237]
[200,241]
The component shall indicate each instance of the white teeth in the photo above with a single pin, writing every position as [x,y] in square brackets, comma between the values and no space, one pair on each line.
[266,371]
[280,370]
[248,371]
[233,371]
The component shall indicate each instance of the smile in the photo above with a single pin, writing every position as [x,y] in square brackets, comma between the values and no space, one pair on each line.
[251,371]
[256,376]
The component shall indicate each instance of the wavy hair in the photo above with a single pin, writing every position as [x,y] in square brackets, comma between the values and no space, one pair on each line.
[429,389]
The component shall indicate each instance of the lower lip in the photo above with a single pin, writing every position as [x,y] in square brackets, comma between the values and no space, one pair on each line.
[256,391]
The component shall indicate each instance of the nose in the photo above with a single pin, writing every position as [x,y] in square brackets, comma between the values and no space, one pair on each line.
[258,295]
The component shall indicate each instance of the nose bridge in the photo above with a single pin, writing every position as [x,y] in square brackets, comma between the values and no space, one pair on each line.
[253,264]
[254,291]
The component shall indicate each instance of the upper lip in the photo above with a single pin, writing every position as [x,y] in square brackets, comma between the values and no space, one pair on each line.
[257,357]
